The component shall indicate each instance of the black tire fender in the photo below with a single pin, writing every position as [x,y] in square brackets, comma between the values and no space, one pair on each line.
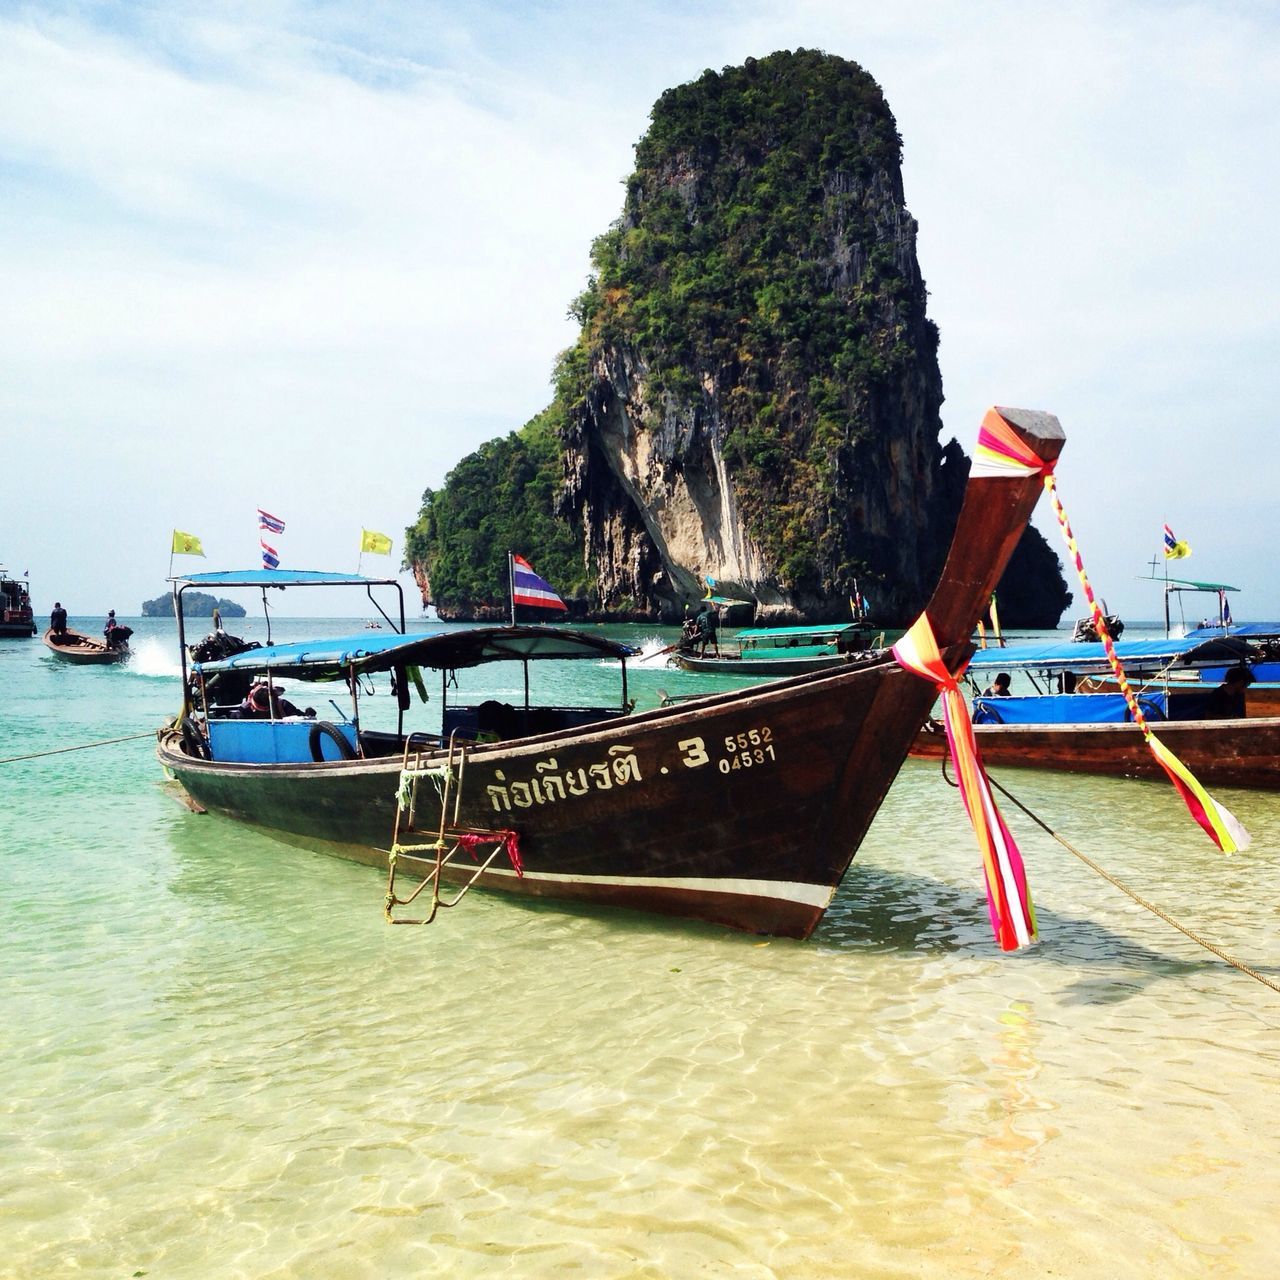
[194,743]
[323,729]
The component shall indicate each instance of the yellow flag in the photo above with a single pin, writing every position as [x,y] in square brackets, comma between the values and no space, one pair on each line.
[378,543]
[186,544]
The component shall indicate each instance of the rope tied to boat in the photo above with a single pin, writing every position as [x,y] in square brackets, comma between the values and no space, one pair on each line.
[83,746]
[442,776]
[1100,870]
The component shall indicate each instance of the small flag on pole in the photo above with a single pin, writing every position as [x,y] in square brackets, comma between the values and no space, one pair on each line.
[376,543]
[1173,549]
[186,544]
[528,588]
[267,523]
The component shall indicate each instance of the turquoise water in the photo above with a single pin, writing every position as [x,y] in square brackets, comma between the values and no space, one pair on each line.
[220,1061]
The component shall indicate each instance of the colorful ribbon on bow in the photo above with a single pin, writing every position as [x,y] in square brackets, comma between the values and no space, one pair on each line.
[1002,453]
[1221,825]
[1013,918]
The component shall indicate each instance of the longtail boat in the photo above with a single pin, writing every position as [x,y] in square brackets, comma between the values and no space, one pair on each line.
[16,620]
[1234,753]
[742,808]
[785,651]
[75,646]
[1087,727]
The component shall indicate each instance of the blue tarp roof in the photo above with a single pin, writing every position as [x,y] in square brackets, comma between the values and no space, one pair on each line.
[279,578]
[1068,656]
[1243,630]
[452,649]
[1065,708]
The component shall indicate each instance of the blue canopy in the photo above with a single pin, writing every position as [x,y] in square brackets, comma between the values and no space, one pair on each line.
[450,650]
[1071,656]
[1243,631]
[279,578]
[1065,708]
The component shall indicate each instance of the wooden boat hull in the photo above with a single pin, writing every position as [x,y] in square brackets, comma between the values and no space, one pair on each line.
[1231,753]
[83,649]
[743,809]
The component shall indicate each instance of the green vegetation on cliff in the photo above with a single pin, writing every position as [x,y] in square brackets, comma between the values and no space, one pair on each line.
[500,498]
[752,249]
[756,319]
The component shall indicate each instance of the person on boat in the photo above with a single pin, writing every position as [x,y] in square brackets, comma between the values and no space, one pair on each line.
[265,702]
[999,687]
[58,619]
[109,631]
[708,630]
[688,630]
[1227,701]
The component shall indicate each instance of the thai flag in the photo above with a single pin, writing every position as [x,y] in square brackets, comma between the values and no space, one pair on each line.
[528,588]
[270,557]
[1173,549]
[272,524]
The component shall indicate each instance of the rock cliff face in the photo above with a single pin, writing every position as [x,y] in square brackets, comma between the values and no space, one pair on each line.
[759,393]
[755,395]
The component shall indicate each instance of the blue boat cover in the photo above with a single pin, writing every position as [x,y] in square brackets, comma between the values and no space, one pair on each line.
[1070,656]
[1242,631]
[450,650]
[1065,708]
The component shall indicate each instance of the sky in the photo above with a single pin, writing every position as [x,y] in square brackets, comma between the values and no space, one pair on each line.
[306,257]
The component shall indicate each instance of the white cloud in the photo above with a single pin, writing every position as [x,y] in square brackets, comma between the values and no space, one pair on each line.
[312,256]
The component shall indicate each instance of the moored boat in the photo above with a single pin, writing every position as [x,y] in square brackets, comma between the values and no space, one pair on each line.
[742,808]
[16,619]
[1234,753]
[1078,721]
[786,651]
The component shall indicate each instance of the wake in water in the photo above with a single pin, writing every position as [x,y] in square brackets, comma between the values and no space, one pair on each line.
[153,657]
[654,651]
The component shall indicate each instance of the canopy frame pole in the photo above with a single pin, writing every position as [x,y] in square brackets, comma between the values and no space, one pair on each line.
[369,592]
[182,642]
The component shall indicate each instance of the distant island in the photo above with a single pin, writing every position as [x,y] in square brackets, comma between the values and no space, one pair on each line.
[195,604]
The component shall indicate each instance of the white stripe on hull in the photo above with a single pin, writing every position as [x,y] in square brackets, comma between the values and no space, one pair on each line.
[809,895]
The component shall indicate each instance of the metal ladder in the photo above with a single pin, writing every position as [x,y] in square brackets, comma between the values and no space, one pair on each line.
[449,840]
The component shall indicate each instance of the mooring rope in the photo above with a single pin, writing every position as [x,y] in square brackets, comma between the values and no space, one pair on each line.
[1124,888]
[84,746]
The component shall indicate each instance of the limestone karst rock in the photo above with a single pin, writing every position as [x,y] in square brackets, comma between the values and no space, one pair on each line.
[755,393]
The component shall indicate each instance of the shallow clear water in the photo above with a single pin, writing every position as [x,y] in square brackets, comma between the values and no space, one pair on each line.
[220,1061]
